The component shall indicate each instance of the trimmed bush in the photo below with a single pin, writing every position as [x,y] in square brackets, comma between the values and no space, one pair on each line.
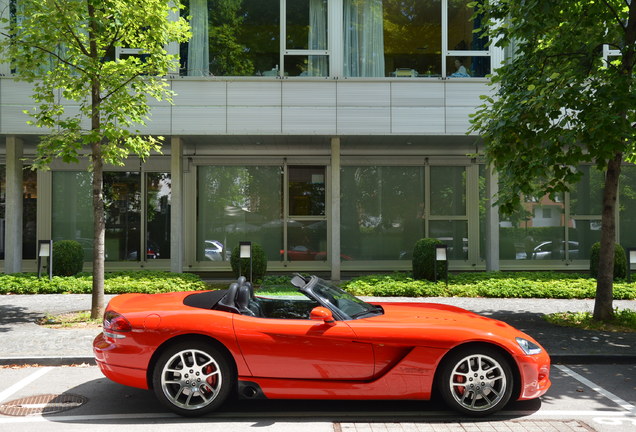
[424,260]
[259,263]
[68,258]
[620,261]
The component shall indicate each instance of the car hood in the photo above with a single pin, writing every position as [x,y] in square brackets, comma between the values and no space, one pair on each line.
[435,325]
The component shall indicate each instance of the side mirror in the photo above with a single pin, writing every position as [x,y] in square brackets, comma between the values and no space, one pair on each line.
[320,313]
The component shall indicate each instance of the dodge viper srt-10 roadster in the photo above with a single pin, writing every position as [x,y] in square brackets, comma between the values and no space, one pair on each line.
[195,349]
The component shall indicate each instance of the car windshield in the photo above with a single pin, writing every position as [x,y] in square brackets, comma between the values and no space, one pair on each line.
[348,305]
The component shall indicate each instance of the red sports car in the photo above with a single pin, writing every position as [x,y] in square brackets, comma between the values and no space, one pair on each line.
[194,349]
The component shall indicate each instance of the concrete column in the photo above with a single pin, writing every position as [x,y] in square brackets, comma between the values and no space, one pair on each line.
[13,207]
[492,221]
[335,210]
[176,206]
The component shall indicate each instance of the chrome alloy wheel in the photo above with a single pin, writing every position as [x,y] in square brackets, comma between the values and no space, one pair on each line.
[478,383]
[191,379]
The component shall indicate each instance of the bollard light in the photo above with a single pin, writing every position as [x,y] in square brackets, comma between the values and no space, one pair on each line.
[245,252]
[631,262]
[45,250]
[441,255]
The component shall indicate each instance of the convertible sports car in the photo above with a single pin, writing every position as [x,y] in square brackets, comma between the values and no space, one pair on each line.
[195,349]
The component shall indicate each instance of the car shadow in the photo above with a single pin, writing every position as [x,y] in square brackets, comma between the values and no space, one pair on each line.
[112,403]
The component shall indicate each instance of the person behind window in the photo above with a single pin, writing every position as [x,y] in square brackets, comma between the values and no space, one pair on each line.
[460,69]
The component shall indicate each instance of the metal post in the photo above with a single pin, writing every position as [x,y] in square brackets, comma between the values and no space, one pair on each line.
[45,250]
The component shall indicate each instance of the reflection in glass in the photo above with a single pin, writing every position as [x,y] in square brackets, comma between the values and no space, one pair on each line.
[72,209]
[382,211]
[412,38]
[448,190]
[454,234]
[627,206]
[231,37]
[3,197]
[122,211]
[158,186]
[462,26]
[306,24]
[306,190]
[237,203]
[586,197]
[306,65]
[534,231]
[307,240]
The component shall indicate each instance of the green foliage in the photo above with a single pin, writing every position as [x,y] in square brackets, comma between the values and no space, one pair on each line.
[259,263]
[68,258]
[623,320]
[424,261]
[490,284]
[620,261]
[64,47]
[116,283]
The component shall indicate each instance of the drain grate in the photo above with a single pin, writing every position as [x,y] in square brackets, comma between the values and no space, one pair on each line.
[42,404]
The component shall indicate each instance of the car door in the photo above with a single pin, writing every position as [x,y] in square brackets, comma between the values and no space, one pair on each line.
[302,349]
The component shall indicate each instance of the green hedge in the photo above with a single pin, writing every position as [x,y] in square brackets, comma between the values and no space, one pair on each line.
[505,285]
[620,261]
[68,258]
[115,283]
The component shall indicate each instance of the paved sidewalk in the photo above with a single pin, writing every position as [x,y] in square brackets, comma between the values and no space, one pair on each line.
[25,342]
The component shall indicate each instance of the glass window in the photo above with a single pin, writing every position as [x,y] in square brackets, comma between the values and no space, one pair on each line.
[158,189]
[232,37]
[459,66]
[627,206]
[72,209]
[122,208]
[306,190]
[306,22]
[448,191]
[237,203]
[382,212]
[586,201]
[453,234]
[412,38]
[3,198]
[534,231]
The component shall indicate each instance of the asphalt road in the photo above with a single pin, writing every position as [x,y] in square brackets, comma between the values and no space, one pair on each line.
[583,398]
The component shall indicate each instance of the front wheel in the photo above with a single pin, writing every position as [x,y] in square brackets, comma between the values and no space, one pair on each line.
[476,381]
[192,378]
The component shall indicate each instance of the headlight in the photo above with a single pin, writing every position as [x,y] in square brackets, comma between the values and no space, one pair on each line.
[528,347]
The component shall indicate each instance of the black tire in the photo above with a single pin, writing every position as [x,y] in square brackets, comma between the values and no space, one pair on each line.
[192,378]
[476,381]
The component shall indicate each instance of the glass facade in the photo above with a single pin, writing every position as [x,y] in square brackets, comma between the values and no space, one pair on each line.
[384,210]
[377,38]
[72,214]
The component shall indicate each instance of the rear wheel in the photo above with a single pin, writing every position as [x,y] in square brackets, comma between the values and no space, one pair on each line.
[476,381]
[192,378]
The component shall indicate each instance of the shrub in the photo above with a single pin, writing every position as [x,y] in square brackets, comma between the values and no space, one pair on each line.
[620,261]
[259,263]
[424,260]
[68,258]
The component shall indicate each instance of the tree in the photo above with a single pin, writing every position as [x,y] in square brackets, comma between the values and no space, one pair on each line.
[559,104]
[66,48]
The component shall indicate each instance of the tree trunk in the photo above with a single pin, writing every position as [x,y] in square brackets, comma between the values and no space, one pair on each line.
[603,310]
[99,229]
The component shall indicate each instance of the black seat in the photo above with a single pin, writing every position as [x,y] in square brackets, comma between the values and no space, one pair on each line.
[243,301]
[228,302]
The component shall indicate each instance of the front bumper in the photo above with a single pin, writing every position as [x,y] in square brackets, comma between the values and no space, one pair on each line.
[535,375]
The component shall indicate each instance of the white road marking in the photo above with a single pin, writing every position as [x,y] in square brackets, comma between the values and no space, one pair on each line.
[611,396]
[25,382]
